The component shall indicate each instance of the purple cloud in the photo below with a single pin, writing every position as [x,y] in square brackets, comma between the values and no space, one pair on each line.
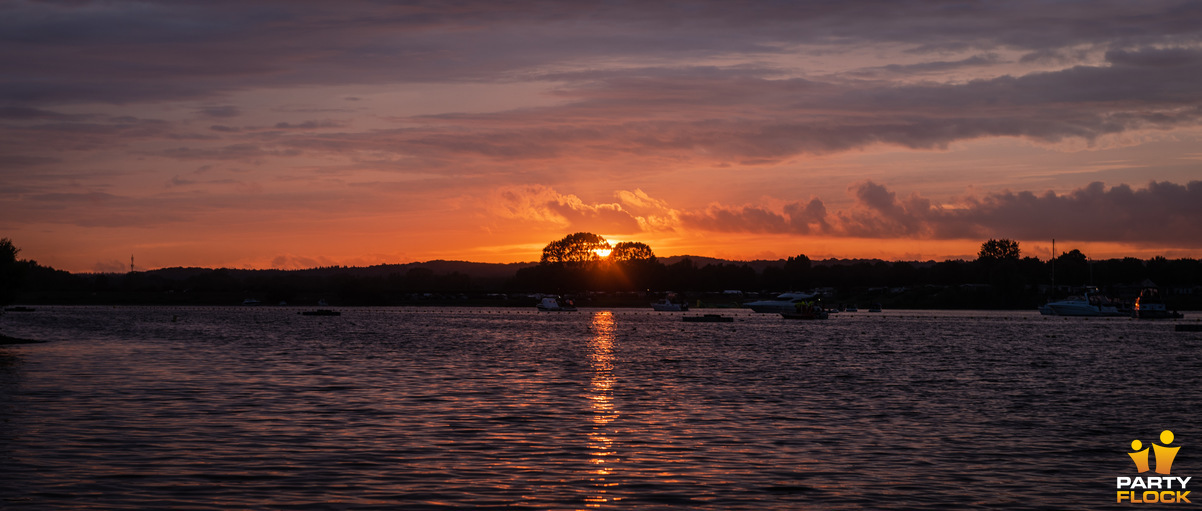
[1163,213]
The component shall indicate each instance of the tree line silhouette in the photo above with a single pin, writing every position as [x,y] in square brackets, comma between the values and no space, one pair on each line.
[583,263]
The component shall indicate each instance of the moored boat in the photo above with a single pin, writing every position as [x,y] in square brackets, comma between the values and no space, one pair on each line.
[550,304]
[668,305]
[785,302]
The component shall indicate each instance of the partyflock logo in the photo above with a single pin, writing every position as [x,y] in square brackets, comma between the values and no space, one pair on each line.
[1166,489]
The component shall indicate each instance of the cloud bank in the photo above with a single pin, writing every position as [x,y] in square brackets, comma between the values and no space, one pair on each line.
[1160,214]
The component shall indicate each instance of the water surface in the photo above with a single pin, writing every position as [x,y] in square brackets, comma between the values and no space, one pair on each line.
[471,408]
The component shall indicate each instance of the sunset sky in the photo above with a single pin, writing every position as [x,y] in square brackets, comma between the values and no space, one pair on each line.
[293,134]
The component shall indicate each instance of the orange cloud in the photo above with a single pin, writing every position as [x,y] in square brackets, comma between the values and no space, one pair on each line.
[634,212]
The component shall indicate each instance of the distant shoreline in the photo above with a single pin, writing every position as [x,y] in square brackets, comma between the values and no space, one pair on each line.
[467,304]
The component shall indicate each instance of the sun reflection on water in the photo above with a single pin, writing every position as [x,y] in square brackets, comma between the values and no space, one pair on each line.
[602,455]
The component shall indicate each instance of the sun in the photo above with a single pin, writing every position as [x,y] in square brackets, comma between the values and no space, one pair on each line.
[602,252]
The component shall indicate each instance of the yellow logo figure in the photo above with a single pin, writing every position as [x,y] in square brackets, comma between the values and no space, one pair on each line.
[1139,456]
[1164,454]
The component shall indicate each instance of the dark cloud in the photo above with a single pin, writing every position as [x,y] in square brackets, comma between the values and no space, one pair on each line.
[1162,214]
[125,51]
[735,116]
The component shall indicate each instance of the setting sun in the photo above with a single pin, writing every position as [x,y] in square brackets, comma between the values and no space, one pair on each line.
[603,252]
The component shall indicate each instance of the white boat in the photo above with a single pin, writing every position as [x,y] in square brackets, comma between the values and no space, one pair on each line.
[550,304]
[1085,305]
[667,305]
[786,302]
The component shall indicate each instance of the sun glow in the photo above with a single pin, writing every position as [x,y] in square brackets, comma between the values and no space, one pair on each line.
[603,252]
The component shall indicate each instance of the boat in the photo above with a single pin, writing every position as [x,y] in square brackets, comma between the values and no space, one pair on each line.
[250,301]
[1150,306]
[708,318]
[1085,304]
[785,302]
[19,308]
[876,307]
[321,312]
[550,304]
[807,310]
[667,305]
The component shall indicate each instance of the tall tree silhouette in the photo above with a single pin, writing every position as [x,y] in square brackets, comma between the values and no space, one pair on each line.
[575,249]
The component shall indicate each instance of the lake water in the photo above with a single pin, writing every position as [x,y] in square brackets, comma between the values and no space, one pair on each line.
[472,408]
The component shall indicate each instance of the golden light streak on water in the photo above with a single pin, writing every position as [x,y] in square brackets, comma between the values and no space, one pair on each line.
[603,457]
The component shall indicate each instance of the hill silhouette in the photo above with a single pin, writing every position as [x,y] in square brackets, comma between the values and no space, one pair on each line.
[983,283]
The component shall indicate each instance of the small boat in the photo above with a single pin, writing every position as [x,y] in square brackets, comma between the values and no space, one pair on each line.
[321,312]
[250,301]
[667,305]
[708,318]
[852,308]
[1150,306]
[550,304]
[19,309]
[876,307]
[785,302]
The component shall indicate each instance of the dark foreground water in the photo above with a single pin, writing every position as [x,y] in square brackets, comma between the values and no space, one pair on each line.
[385,408]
